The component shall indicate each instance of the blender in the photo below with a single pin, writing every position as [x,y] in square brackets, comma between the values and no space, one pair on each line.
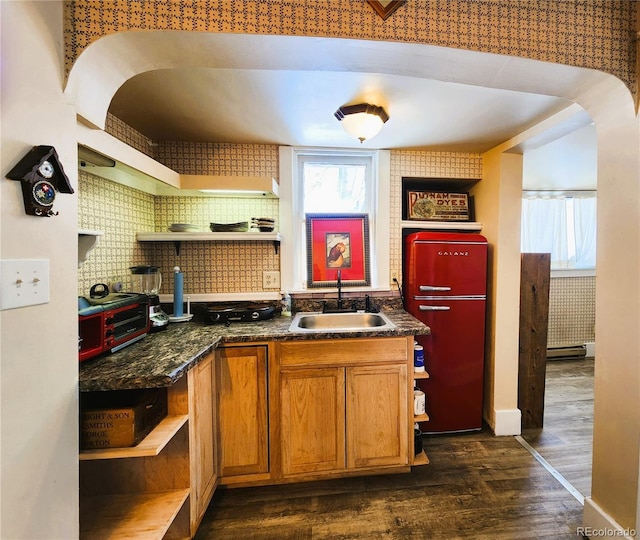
[147,280]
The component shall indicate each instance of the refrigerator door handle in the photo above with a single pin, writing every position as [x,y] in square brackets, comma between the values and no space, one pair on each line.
[434,308]
[433,288]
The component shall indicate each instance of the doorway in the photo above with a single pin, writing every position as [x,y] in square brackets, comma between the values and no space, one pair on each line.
[559,211]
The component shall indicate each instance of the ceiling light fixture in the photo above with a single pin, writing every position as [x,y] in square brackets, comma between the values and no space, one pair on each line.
[362,121]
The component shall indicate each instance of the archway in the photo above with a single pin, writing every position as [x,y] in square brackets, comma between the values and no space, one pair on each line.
[105,65]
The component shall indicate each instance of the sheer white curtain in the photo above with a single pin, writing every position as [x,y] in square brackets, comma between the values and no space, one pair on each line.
[561,224]
[584,212]
[544,228]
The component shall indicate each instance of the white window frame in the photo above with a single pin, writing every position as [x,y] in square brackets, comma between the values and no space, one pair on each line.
[293,274]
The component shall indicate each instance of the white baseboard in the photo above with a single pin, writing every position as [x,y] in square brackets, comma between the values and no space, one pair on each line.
[507,422]
[597,523]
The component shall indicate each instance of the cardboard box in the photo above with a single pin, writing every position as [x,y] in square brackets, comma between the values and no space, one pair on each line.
[119,419]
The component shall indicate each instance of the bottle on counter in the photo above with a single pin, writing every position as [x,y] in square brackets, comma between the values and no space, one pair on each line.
[286,305]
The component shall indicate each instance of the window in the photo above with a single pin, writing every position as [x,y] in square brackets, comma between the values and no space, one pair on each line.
[332,182]
[335,184]
[563,224]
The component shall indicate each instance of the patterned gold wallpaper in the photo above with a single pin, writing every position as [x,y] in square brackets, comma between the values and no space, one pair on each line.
[597,34]
[219,158]
[572,307]
[126,134]
[415,163]
[120,212]
[214,267]
[217,267]
[209,267]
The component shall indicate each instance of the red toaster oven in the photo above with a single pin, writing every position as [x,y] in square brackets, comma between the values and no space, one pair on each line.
[110,323]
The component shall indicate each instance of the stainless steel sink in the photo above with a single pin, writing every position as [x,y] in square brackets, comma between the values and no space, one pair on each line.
[343,322]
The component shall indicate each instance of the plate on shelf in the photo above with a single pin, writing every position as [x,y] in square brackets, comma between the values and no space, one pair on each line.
[242,226]
[183,227]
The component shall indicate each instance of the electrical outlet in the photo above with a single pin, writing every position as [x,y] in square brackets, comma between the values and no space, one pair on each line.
[270,280]
[394,276]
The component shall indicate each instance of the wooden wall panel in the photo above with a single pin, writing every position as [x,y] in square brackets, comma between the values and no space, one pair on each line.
[535,276]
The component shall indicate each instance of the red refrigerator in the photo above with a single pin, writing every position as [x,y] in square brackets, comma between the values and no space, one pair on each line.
[445,284]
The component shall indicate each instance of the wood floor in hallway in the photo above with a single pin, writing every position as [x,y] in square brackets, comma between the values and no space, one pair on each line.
[477,486]
[566,440]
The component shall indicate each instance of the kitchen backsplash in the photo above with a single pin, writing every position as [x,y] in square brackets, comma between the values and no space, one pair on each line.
[212,267]
[201,211]
[120,212]
[209,267]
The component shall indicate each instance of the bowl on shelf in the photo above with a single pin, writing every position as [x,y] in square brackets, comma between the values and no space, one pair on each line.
[241,226]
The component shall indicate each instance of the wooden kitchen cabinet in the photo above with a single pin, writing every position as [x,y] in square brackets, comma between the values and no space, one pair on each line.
[161,487]
[312,420]
[141,491]
[344,405]
[377,416]
[243,413]
[203,445]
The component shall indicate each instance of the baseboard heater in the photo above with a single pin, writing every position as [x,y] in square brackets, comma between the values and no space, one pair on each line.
[563,352]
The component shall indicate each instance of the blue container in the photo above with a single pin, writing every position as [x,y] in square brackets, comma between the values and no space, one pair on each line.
[418,358]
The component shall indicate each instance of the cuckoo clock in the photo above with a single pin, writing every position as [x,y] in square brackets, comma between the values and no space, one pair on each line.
[41,175]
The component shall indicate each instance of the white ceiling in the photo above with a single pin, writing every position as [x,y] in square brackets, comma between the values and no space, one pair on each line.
[284,90]
[288,107]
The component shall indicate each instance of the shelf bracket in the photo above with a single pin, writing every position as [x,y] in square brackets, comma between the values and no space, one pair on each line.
[276,246]
[176,245]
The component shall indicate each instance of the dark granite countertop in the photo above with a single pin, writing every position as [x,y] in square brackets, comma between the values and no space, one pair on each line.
[161,358]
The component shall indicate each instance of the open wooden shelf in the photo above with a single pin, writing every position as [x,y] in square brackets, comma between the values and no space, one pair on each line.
[420,374]
[178,238]
[130,515]
[208,236]
[421,418]
[421,459]
[151,445]
[442,225]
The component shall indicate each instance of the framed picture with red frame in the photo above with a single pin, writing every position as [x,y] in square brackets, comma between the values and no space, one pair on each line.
[337,242]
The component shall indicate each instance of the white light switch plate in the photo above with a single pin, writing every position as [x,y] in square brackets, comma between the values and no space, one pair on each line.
[23,282]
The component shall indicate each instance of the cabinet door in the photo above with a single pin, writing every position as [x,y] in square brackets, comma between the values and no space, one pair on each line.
[312,420]
[377,416]
[202,439]
[243,410]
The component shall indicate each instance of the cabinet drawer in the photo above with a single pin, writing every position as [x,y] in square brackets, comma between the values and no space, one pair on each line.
[343,351]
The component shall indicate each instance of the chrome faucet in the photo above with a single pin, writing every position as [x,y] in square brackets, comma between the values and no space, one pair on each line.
[339,289]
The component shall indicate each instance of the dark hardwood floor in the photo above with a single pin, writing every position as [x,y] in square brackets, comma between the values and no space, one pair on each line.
[477,486]
[566,439]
